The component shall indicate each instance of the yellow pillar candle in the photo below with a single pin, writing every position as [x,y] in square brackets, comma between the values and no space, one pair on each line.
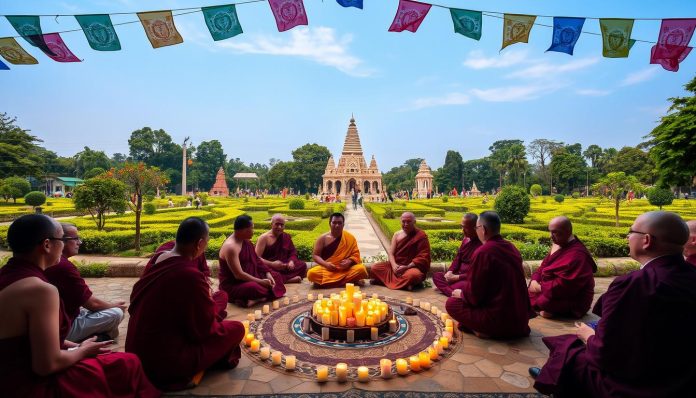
[369,320]
[444,342]
[350,336]
[255,345]
[438,347]
[310,297]
[401,367]
[392,325]
[290,362]
[416,302]
[342,372]
[424,359]
[322,373]
[426,306]
[374,334]
[449,323]
[334,318]
[248,339]
[444,316]
[342,316]
[276,358]
[265,352]
[433,353]
[266,309]
[414,361]
[246,326]
[326,318]
[360,319]
[350,289]
[449,329]
[276,305]
[409,300]
[320,296]
[357,300]
[251,317]
[363,374]
[286,300]
[433,310]
[385,366]
[257,314]
[295,299]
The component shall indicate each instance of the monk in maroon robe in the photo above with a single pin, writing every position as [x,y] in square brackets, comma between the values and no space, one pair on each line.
[690,246]
[173,325]
[458,271]
[643,342]
[243,275]
[493,302]
[277,252]
[34,356]
[563,285]
[409,257]
[201,262]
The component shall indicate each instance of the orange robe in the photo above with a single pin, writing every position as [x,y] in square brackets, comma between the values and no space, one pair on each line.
[339,249]
[413,248]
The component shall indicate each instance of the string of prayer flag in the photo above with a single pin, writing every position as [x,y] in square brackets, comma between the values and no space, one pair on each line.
[467,23]
[29,27]
[516,28]
[14,53]
[566,32]
[222,21]
[673,43]
[351,3]
[409,16]
[288,13]
[99,31]
[159,28]
[616,34]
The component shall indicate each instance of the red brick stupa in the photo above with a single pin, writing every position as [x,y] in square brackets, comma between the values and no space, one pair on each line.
[220,186]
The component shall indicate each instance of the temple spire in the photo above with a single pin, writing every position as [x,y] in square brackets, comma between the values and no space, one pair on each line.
[352,142]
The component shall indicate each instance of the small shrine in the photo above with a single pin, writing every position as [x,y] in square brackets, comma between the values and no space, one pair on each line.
[474,190]
[424,181]
[220,186]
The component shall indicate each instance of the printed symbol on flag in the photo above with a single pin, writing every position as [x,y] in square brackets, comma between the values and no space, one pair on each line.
[616,39]
[11,54]
[28,30]
[567,36]
[14,53]
[161,30]
[518,31]
[58,47]
[223,21]
[288,12]
[468,24]
[100,33]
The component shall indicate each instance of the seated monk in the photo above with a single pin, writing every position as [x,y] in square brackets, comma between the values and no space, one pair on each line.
[409,257]
[173,324]
[96,317]
[563,284]
[243,276]
[337,256]
[458,271]
[493,301]
[643,343]
[35,358]
[690,246]
[276,250]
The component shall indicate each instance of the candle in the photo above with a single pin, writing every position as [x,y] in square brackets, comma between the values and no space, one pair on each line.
[266,309]
[255,345]
[369,321]
[448,323]
[350,336]
[276,305]
[325,334]
[276,358]
[438,347]
[401,367]
[360,319]
[426,306]
[326,318]
[257,314]
[290,362]
[320,296]
[444,343]
[342,372]
[424,359]
[350,322]
[322,373]
[409,300]
[248,339]
[415,363]
[265,352]
[433,310]
[286,300]
[444,316]
[246,326]
[416,302]
[334,318]
[449,329]
[433,354]
[363,374]
[375,295]
[310,297]
[447,335]
[251,317]
[350,289]
[392,325]
[385,366]
[374,334]
[295,299]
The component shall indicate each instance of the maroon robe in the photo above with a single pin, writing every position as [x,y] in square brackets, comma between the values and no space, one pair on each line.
[110,375]
[240,291]
[567,283]
[691,259]
[494,299]
[201,262]
[643,346]
[71,287]
[414,248]
[284,250]
[173,325]
[460,266]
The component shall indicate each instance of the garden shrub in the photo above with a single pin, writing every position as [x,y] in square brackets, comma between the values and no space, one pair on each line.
[149,208]
[512,204]
[532,251]
[296,204]
[535,190]
[328,211]
[656,197]
[543,200]
[388,213]
[35,198]
[445,198]
[306,196]
[559,198]
[91,270]
[149,197]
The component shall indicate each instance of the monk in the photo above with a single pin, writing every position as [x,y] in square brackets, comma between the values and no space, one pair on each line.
[201,262]
[563,285]
[458,271]
[690,246]
[276,251]
[35,358]
[337,256]
[173,324]
[88,314]
[493,302]
[243,276]
[409,258]
[643,343]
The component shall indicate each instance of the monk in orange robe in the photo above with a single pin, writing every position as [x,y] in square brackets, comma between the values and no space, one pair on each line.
[690,246]
[174,324]
[35,358]
[337,256]
[409,257]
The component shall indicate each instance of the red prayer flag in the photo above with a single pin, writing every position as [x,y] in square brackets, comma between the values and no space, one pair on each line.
[288,13]
[61,52]
[673,43]
[409,16]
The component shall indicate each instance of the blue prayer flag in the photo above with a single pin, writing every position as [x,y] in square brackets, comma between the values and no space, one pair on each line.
[3,66]
[566,32]
[99,32]
[351,3]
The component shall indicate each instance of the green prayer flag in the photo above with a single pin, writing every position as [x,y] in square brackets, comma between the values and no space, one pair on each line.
[616,35]
[467,23]
[222,21]
[99,31]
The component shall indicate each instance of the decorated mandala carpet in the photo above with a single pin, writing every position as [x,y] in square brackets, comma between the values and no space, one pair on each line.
[282,330]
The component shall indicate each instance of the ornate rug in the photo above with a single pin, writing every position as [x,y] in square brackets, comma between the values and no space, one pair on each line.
[355,393]
[281,330]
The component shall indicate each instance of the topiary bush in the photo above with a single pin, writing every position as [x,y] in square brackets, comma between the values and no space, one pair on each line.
[535,190]
[445,198]
[35,198]
[149,208]
[512,204]
[660,197]
[306,196]
[296,204]
[559,198]
[575,195]
[388,213]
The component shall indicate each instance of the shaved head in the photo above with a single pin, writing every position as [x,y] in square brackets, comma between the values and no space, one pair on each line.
[408,222]
[657,233]
[690,246]
[277,217]
[469,225]
[561,230]
[692,227]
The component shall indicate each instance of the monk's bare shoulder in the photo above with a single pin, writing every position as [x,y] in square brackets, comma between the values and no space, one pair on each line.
[33,289]
[399,235]
[229,247]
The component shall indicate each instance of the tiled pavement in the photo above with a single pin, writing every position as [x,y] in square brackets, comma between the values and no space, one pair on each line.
[358,225]
[478,366]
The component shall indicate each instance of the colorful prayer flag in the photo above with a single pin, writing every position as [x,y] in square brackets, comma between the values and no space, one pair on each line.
[99,31]
[673,43]
[566,32]
[288,13]
[29,27]
[159,28]
[616,34]
[409,16]
[14,53]
[3,66]
[467,23]
[516,28]
[222,21]
[351,3]
[59,51]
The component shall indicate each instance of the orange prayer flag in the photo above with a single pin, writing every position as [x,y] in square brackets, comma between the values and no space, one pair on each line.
[160,29]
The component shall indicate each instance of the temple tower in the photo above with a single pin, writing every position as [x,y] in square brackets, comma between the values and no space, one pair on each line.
[424,181]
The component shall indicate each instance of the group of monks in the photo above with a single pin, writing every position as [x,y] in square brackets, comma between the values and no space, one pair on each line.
[55,333]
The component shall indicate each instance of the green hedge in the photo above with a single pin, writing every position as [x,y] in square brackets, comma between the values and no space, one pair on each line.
[297,213]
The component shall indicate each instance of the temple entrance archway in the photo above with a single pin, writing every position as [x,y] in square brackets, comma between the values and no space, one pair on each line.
[366,187]
[352,186]
[329,187]
[338,187]
[375,187]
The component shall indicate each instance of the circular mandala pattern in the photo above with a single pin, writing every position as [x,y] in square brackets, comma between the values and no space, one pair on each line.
[282,331]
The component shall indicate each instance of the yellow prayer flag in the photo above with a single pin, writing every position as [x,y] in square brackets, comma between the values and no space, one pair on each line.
[516,28]
[616,37]
[160,29]
[14,53]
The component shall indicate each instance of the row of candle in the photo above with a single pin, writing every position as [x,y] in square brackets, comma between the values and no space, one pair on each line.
[266,309]
[265,352]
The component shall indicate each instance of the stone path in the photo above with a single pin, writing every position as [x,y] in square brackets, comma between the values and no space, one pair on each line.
[358,225]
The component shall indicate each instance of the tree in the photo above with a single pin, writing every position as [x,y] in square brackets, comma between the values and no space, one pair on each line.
[450,174]
[542,150]
[500,157]
[481,172]
[606,160]
[310,162]
[517,161]
[14,187]
[209,158]
[614,185]
[89,159]
[569,170]
[512,204]
[402,178]
[155,148]
[535,190]
[94,172]
[284,174]
[592,153]
[673,142]
[35,199]
[139,179]
[634,161]
[660,197]
[19,153]
[99,196]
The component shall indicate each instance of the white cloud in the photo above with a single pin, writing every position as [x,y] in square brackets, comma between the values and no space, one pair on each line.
[477,60]
[640,76]
[516,93]
[590,92]
[545,69]
[448,99]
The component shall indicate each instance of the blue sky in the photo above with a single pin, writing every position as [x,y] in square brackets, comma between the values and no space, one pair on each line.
[263,93]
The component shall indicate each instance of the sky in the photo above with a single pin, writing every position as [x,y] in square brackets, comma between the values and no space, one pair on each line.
[413,95]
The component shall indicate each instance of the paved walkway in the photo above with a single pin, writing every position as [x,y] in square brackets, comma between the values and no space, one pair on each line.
[358,225]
